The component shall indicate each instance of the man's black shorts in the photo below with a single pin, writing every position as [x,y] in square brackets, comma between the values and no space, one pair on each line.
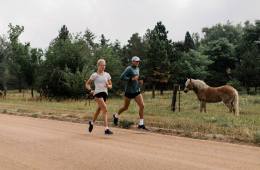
[131,95]
[101,95]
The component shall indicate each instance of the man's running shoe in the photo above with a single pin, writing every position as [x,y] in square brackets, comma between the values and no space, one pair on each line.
[115,119]
[108,132]
[90,128]
[142,127]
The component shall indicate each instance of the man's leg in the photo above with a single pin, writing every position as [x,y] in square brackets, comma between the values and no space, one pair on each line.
[140,102]
[122,109]
[125,106]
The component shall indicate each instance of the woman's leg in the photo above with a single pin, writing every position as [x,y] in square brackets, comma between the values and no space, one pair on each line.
[103,107]
[96,114]
[91,123]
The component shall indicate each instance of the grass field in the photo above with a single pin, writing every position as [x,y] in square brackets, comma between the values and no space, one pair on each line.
[216,124]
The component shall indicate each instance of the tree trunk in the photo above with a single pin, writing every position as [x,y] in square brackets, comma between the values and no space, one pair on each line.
[179,89]
[248,90]
[32,92]
[161,88]
[153,91]
[161,91]
[20,84]
[5,89]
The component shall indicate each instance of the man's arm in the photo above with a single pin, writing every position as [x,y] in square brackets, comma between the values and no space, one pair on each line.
[125,75]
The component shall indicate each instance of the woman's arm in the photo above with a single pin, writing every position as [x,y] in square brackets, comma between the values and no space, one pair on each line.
[88,85]
[109,84]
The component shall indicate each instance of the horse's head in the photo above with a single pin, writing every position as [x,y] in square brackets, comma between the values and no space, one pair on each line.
[188,85]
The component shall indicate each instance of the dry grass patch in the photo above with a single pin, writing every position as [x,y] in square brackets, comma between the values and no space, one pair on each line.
[217,124]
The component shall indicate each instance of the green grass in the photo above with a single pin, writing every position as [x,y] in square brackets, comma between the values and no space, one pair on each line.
[214,124]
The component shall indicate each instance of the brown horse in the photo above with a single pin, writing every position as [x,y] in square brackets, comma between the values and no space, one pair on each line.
[205,93]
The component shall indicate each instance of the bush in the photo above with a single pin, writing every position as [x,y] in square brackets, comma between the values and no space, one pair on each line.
[63,84]
[125,124]
[257,137]
[235,83]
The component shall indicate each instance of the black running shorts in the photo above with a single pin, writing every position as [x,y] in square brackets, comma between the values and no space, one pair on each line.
[101,95]
[131,95]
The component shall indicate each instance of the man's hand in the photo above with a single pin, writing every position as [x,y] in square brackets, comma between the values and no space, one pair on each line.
[135,78]
[141,82]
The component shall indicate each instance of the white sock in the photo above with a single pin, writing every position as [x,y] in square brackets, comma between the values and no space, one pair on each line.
[116,115]
[92,122]
[141,122]
[106,128]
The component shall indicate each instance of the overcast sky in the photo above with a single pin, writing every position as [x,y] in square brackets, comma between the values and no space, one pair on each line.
[119,19]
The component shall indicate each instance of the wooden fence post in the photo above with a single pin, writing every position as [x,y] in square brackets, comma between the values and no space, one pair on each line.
[174,96]
[179,88]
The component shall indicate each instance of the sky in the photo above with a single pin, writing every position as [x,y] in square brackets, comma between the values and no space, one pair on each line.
[119,19]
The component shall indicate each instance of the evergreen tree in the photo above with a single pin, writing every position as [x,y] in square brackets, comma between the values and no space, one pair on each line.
[31,67]
[4,72]
[221,52]
[192,64]
[220,43]
[89,38]
[17,54]
[248,70]
[103,40]
[159,55]
[188,42]
[63,33]
[66,63]
[134,47]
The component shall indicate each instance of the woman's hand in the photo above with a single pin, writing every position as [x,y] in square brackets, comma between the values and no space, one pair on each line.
[91,92]
[108,84]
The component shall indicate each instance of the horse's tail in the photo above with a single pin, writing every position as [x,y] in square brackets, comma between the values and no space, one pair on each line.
[236,103]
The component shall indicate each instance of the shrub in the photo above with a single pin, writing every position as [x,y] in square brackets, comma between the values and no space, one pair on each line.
[257,136]
[235,83]
[125,124]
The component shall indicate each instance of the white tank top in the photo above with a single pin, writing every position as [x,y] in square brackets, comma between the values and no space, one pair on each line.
[100,82]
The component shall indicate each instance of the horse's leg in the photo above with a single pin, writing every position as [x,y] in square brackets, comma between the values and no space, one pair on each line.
[229,105]
[201,106]
[232,107]
[204,106]
[236,104]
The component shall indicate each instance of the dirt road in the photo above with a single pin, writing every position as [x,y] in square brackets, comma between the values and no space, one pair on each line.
[30,143]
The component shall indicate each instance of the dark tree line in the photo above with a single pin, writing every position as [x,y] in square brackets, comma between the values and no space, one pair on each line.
[226,53]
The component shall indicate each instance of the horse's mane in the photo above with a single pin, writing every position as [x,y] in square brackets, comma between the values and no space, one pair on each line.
[199,83]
